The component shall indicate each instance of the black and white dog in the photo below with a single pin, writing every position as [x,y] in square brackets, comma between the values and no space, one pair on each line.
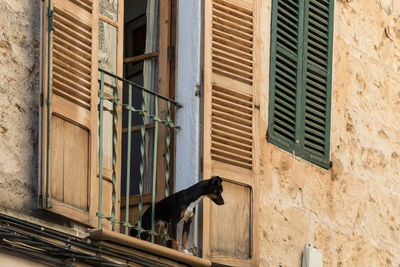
[180,207]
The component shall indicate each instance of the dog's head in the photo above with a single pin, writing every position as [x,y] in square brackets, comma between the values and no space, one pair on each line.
[215,189]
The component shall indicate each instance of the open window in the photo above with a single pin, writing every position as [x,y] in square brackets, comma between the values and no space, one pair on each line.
[92,49]
[147,62]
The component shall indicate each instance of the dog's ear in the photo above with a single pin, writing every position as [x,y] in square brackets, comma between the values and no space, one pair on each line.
[216,180]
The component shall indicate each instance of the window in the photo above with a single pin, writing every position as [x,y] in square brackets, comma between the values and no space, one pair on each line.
[300,78]
[79,38]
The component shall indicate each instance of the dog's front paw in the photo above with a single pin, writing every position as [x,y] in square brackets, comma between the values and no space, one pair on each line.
[187,252]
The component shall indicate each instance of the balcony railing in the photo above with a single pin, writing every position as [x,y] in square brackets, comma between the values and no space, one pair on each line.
[111,82]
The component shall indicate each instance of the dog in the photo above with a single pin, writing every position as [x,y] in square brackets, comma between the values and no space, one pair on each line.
[181,207]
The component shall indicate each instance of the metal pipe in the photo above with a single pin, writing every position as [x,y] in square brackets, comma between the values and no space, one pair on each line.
[128,171]
[101,97]
[48,102]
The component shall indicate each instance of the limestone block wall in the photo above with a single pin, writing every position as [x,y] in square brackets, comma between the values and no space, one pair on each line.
[350,212]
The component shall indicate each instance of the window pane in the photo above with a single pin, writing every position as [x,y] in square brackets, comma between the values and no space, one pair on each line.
[109,8]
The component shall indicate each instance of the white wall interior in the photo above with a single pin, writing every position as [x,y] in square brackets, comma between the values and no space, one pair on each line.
[188,81]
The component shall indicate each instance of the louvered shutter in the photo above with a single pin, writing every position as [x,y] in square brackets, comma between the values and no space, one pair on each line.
[230,127]
[317,80]
[72,125]
[300,78]
[284,73]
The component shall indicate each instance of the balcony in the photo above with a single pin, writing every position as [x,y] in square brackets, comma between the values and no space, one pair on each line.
[140,112]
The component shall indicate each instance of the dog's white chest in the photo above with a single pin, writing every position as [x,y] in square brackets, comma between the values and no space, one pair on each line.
[189,210]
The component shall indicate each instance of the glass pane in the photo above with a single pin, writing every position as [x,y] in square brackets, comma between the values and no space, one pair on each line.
[141,32]
[109,8]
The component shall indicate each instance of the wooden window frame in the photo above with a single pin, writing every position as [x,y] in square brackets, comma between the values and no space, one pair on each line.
[297,144]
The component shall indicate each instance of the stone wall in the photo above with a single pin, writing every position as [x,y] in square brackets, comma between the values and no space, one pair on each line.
[19,103]
[350,212]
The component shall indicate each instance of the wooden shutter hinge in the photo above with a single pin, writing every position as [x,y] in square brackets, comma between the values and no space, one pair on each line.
[50,15]
[171,53]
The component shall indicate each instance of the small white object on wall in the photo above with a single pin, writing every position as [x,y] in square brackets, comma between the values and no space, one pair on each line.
[311,257]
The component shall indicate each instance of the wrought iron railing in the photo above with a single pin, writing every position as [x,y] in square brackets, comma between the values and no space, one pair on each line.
[146,113]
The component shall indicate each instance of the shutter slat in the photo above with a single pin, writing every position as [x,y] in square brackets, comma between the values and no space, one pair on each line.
[288,15]
[238,129]
[314,132]
[233,38]
[316,96]
[233,11]
[320,11]
[232,148]
[321,6]
[284,133]
[290,6]
[231,142]
[226,131]
[314,147]
[281,91]
[315,126]
[283,114]
[232,58]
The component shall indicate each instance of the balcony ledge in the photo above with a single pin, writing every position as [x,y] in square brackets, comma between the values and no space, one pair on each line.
[135,243]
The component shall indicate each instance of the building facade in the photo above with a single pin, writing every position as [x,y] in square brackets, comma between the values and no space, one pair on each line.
[327,173]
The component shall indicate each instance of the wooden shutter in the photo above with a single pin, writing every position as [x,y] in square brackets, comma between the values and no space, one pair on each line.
[73,113]
[231,112]
[316,78]
[300,78]
[284,73]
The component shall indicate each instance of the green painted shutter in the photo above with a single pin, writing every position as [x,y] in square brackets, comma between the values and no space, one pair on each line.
[300,78]
[317,69]
[285,67]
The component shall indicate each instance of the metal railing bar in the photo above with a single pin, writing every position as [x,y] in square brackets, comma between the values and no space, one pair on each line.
[153,199]
[100,214]
[128,170]
[141,88]
[167,153]
[167,170]
[142,131]
[114,154]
